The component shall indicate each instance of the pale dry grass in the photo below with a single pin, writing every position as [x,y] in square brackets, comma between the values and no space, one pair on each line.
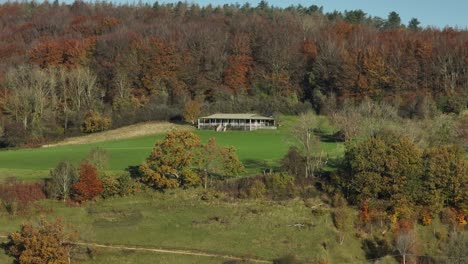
[136,130]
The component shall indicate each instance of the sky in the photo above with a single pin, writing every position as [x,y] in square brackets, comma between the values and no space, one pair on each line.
[437,13]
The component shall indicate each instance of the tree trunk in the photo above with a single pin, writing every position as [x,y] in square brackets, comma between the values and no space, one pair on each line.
[206,179]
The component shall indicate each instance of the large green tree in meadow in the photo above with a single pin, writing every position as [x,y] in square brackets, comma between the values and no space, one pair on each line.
[170,159]
[180,157]
[218,160]
[386,168]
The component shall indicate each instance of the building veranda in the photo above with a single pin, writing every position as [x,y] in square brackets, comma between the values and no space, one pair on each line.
[223,122]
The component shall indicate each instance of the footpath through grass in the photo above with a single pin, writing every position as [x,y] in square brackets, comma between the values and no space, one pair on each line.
[257,150]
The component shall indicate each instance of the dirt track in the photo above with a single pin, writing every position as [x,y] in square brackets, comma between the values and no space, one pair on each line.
[167,251]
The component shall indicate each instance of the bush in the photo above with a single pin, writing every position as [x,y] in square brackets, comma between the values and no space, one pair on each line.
[110,186]
[94,122]
[280,185]
[293,162]
[17,197]
[120,185]
[126,184]
[257,190]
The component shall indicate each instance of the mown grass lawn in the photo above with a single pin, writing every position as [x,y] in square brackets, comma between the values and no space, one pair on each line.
[257,150]
[180,220]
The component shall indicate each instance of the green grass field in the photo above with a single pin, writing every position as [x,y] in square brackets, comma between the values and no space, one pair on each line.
[257,150]
[180,220]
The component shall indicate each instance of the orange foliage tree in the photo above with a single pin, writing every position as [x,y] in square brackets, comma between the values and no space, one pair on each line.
[44,243]
[240,62]
[67,52]
[88,185]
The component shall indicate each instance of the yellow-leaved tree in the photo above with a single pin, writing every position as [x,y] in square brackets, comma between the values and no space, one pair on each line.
[170,159]
[180,159]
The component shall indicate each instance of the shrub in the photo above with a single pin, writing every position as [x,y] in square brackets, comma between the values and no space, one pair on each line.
[110,186]
[121,185]
[257,190]
[127,185]
[293,162]
[94,122]
[280,185]
[209,195]
[88,185]
[17,197]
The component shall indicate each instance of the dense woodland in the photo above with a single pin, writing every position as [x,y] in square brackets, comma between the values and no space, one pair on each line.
[73,68]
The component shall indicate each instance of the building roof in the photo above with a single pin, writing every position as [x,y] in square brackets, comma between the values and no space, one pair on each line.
[238,116]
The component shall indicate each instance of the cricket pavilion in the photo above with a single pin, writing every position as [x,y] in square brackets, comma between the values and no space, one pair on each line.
[223,122]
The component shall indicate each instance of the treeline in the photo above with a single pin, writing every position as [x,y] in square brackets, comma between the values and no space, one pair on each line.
[88,67]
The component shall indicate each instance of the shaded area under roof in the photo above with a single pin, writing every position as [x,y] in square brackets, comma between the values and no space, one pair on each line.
[237,116]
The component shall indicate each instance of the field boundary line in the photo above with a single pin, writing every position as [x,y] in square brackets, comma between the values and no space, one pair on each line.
[166,251]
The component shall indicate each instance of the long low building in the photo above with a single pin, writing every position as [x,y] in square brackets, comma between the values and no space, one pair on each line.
[223,122]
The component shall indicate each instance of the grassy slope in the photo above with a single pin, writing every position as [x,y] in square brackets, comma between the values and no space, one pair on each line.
[256,150]
[180,220]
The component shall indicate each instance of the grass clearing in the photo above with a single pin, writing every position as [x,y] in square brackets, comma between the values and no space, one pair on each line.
[179,220]
[256,149]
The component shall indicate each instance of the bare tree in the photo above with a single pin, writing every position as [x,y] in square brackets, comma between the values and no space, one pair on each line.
[364,119]
[405,243]
[29,90]
[62,179]
[83,88]
[456,250]
[308,143]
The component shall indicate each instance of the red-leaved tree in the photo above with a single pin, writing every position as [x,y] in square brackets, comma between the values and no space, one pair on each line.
[88,185]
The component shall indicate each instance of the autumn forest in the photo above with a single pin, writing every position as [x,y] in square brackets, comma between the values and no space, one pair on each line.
[89,67]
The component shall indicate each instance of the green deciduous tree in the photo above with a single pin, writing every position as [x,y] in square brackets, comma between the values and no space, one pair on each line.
[386,168]
[215,159]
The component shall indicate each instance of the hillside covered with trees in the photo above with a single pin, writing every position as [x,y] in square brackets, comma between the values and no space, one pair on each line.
[74,68]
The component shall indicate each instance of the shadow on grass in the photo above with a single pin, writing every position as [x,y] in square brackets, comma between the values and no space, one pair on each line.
[329,138]
[259,166]
[134,171]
